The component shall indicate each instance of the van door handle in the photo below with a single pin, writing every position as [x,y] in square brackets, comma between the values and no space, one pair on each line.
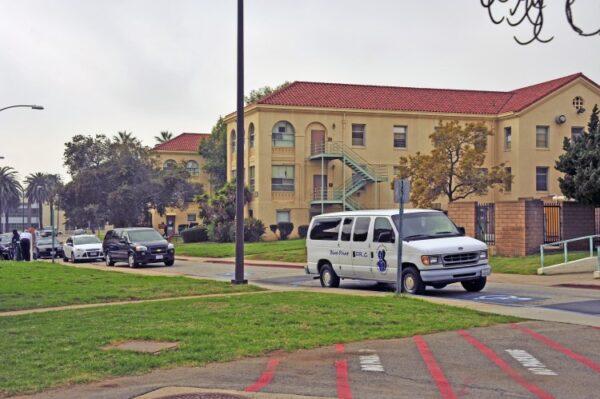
[371,254]
[353,254]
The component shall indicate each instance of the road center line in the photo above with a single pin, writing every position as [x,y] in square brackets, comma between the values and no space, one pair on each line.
[512,373]
[558,347]
[265,378]
[434,369]
[341,368]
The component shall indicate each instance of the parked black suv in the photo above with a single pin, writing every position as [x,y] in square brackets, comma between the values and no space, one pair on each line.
[137,246]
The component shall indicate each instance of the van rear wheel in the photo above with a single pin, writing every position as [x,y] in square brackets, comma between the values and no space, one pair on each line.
[474,285]
[328,277]
[411,280]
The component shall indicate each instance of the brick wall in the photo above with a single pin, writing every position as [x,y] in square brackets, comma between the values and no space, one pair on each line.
[577,221]
[464,214]
[519,227]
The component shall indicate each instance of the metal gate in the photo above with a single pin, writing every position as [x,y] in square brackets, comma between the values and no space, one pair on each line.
[552,222]
[486,223]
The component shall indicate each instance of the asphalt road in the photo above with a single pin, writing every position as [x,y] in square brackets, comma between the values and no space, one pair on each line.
[525,360]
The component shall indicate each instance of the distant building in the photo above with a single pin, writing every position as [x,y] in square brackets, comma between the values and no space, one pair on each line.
[182,150]
[319,147]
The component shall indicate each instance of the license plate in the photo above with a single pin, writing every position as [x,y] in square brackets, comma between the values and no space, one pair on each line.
[93,253]
[159,256]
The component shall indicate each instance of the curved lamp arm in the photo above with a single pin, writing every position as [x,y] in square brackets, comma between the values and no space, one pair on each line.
[39,107]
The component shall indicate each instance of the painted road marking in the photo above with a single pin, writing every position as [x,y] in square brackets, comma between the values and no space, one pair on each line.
[370,361]
[507,298]
[341,370]
[512,373]
[528,361]
[558,347]
[265,378]
[434,369]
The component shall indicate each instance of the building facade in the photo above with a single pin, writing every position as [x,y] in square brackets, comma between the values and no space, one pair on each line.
[181,150]
[312,148]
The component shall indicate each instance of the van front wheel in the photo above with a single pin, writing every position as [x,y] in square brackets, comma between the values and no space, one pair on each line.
[328,277]
[411,280]
[474,285]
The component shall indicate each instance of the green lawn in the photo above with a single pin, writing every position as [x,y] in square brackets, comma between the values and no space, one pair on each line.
[43,350]
[41,284]
[225,250]
[530,264]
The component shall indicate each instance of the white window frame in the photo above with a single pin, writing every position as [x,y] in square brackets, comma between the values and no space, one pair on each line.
[401,130]
[362,129]
[195,171]
[507,138]
[546,130]
[285,138]
[286,215]
[283,179]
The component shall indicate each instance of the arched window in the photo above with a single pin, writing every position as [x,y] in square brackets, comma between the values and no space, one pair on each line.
[233,139]
[169,164]
[251,135]
[283,134]
[193,168]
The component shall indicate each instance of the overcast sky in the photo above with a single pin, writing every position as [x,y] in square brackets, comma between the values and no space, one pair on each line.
[146,66]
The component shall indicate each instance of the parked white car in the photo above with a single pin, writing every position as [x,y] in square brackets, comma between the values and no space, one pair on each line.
[362,245]
[83,247]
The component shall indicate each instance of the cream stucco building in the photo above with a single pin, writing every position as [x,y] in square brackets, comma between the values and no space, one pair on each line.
[181,150]
[319,147]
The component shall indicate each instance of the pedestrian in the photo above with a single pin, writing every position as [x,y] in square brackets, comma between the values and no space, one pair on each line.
[25,242]
[16,246]
[34,236]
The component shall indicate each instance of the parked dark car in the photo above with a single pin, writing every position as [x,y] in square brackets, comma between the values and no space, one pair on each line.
[137,246]
[6,246]
[43,248]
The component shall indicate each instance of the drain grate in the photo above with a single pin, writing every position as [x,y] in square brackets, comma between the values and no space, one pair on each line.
[203,396]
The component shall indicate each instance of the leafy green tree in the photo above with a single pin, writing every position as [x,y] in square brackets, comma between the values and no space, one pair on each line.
[580,164]
[454,168]
[42,188]
[260,93]
[164,137]
[10,190]
[214,152]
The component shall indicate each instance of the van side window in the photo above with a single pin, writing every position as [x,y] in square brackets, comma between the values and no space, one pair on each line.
[325,229]
[347,229]
[382,230]
[361,229]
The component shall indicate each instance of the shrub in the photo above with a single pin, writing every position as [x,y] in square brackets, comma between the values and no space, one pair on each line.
[195,234]
[285,229]
[253,230]
[303,230]
[220,232]
[273,228]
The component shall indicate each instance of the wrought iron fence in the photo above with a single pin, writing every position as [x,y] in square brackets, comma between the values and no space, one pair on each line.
[486,223]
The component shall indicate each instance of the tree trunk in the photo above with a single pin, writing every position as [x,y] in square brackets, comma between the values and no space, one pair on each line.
[29,212]
[40,215]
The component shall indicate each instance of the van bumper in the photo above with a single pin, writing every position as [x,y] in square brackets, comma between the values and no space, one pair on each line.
[447,276]
[311,268]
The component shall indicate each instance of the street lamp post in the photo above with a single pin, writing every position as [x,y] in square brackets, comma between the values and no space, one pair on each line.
[239,197]
[32,106]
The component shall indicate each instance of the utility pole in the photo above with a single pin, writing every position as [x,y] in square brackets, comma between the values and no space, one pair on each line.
[239,169]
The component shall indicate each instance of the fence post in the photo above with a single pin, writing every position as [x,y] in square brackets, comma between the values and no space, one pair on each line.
[542,256]
[597,272]
[591,246]
[566,252]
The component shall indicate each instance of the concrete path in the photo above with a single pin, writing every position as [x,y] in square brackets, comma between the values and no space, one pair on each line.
[525,360]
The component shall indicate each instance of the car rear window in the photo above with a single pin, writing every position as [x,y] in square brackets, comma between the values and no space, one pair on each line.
[325,229]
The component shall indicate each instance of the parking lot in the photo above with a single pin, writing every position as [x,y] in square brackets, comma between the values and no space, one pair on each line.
[525,360]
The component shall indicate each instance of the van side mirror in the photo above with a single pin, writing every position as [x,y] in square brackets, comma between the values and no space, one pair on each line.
[386,236]
[461,230]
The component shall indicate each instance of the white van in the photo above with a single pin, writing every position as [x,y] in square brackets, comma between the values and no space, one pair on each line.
[362,245]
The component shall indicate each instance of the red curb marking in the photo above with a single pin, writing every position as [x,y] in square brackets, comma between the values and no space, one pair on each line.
[434,369]
[512,373]
[265,378]
[558,347]
[341,371]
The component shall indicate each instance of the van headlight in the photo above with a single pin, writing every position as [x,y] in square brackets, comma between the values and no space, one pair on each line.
[483,255]
[429,260]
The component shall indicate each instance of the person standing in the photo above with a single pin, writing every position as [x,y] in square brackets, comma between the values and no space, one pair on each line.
[25,241]
[33,245]
[16,246]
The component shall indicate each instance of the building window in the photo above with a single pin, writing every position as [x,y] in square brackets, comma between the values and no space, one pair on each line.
[169,164]
[576,132]
[400,136]
[191,217]
[358,134]
[508,184]
[283,134]
[233,139]
[282,178]
[541,178]
[251,172]
[192,168]
[541,136]
[507,138]
[251,213]
[251,136]
[578,103]
[282,216]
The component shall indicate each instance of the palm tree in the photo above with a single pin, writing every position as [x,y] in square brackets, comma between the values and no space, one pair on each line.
[164,137]
[9,192]
[124,137]
[42,188]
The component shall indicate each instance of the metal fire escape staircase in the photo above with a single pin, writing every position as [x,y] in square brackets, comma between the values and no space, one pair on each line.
[363,174]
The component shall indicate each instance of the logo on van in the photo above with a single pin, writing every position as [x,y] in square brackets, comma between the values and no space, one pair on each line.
[381,262]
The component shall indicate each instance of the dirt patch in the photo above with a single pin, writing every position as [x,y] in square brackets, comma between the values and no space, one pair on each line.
[152,347]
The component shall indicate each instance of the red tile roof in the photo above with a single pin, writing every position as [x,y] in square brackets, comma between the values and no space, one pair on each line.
[185,142]
[386,98]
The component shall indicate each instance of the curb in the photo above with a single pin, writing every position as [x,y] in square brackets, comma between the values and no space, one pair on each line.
[246,262]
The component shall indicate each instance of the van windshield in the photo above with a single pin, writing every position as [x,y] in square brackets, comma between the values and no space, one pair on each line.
[426,225]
